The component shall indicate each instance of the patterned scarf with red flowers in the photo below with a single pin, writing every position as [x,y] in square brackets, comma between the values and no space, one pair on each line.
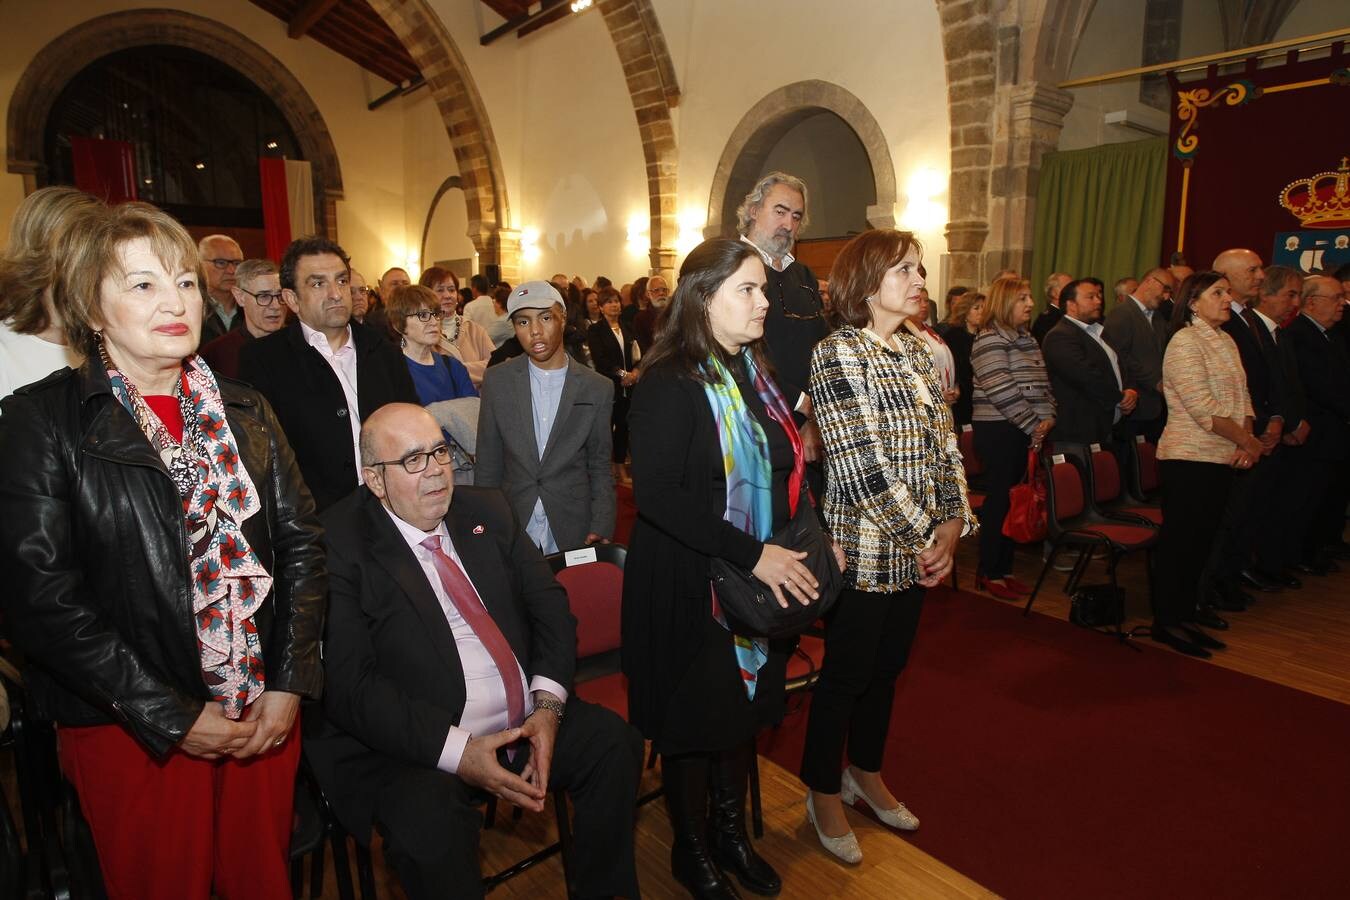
[229,583]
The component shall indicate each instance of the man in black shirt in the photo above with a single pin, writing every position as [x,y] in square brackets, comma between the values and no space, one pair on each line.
[769,219]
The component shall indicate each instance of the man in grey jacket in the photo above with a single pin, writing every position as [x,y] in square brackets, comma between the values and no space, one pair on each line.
[544,430]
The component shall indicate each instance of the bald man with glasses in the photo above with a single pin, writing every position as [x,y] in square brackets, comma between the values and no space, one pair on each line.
[220,256]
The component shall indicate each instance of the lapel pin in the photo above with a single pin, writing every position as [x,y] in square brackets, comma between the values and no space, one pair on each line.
[478,529]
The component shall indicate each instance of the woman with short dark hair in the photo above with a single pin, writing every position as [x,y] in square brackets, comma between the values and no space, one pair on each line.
[717,470]
[895,500]
[415,313]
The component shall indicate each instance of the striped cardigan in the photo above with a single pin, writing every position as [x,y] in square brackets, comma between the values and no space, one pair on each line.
[1011,384]
[893,472]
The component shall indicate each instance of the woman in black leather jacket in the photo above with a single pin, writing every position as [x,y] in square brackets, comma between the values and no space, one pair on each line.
[164,576]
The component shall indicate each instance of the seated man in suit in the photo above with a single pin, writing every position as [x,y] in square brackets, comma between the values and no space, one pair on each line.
[1084,371]
[323,374]
[1136,328]
[449,658]
[544,430]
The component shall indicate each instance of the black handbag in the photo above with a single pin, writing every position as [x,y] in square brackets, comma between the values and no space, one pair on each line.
[749,604]
[1097,606]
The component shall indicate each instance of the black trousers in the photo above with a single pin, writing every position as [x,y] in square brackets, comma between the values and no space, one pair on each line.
[1248,525]
[431,819]
[867,641]
[1002,448]
[1193,494]
[619,426]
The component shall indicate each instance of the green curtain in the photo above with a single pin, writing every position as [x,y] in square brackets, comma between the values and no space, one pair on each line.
[1099,212]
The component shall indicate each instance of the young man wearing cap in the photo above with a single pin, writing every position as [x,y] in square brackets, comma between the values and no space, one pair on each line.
[544,430]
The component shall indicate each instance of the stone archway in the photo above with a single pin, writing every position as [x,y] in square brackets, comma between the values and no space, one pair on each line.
[766,123]
[650,77]
[62,59]
[454,182]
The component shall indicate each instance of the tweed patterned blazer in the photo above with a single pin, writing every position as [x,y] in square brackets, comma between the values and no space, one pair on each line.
[893,472]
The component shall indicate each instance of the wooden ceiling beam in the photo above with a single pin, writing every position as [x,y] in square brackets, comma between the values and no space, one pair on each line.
[306,16]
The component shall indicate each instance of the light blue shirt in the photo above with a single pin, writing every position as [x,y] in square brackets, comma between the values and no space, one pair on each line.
[546,386]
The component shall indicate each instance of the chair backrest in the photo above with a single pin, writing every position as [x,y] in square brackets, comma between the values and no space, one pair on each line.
[1064,496]
[593,579]
[970,460]
[1105,475]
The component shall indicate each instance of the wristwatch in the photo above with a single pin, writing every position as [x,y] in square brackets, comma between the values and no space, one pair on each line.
[550,703]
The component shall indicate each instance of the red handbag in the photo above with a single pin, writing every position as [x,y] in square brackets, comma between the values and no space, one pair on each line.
[1026,520]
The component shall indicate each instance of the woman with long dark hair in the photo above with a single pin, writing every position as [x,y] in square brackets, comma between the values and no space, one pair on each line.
[717,469]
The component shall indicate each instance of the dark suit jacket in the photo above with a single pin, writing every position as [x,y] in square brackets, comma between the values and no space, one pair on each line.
[1084,385]
[395,683]
[222,354]
[1324,370]
[607,356]
[789,339]
[1264,370]
[1045,321]
[573,476]
[309,402]
[1139,347]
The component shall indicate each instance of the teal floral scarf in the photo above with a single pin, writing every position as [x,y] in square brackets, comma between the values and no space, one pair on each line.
[749,474]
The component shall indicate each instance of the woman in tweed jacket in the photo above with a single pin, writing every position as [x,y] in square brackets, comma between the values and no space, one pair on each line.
[895,499]
[1013,409]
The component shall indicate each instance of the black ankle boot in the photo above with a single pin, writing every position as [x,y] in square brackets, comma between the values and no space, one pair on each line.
[731,847]
[685,784]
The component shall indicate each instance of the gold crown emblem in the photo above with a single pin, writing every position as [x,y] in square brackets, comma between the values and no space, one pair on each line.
[1322,201]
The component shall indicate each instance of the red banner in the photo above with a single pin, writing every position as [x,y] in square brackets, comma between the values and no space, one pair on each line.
[106,169]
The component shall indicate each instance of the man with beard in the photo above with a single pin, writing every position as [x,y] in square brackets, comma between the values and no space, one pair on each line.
[257,291]
[323,374]
[644,324]
[1084,371]
[769,219]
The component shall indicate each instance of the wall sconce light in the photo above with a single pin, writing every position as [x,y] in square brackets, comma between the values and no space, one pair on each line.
[580,5]
[924,213]
[199,165]
[691,222]
[529,245]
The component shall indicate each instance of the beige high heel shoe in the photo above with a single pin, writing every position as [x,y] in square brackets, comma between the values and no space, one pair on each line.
[845,847]
[900,817]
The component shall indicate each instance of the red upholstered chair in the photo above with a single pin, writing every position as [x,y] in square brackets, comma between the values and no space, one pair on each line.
[1106,500]
[1072,524]
[1142,482]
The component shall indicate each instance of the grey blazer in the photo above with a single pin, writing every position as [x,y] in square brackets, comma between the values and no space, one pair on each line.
[1139,347]
[573,477]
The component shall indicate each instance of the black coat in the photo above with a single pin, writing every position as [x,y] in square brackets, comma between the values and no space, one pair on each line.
[97,585]
[395,680]
[680,488]
[1045,321]
[1138,341]
[1324,370]
[606,355]
[1264,369]
[308,400]
[961,342]
[1084,384]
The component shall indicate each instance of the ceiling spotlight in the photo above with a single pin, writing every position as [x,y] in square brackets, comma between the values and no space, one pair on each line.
[149,180]
[579,5]
[199,166]
[271,145]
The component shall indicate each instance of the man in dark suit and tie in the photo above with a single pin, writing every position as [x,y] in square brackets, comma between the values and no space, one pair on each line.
[448,660]
[1136,329]
[1090,394]
[1324,372]
[544,430]
[323,374]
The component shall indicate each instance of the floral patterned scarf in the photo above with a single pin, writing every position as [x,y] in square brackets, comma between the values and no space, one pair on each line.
[749,473]
[229,583]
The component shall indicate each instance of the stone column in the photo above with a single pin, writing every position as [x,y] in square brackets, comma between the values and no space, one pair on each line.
[506,243]
[663,263]
[1032,116]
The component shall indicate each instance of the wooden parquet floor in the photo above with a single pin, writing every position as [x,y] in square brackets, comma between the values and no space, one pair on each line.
[1296,638]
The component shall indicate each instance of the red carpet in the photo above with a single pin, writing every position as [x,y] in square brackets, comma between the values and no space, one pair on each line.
[1047,762]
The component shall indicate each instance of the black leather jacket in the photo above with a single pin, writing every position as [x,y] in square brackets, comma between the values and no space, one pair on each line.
[94,581]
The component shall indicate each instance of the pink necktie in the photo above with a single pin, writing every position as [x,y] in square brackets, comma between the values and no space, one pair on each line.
[468,604]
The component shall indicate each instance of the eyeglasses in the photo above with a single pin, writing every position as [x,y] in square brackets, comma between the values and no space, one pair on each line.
[363,291]
[414,463]
[224,263]
[425,315]
[264,298]
[1167,288]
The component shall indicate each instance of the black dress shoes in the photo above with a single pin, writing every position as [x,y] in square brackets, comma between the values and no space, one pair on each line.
[1207,617]
[1200,639]
[1279,579]
[1231,601]
[1257,582]
[1181,645]
[1316,567]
